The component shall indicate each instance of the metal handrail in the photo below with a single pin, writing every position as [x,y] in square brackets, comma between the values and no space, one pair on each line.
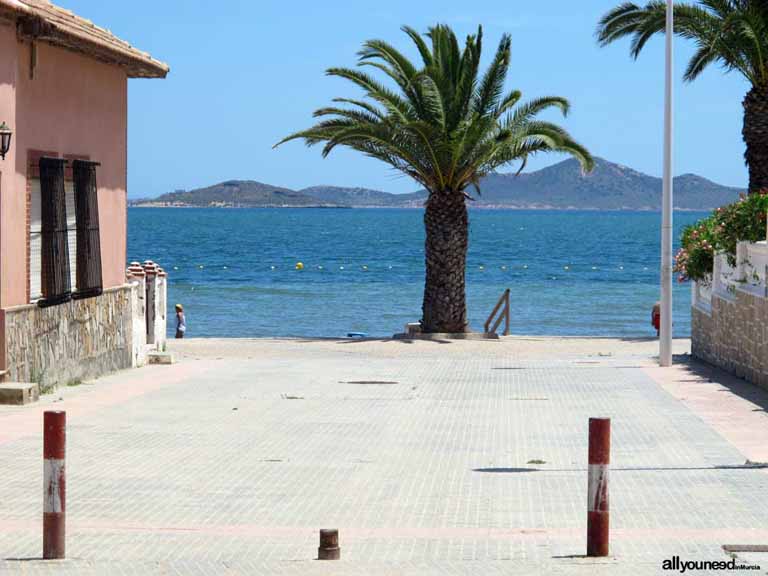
[504,300]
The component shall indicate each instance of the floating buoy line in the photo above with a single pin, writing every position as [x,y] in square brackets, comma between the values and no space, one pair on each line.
[300,266]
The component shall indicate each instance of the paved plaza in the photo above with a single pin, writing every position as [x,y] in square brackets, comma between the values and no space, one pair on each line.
[443,457]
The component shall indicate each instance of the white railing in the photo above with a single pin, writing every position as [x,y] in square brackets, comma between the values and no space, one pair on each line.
[724,278]
[748,275]
[754,268]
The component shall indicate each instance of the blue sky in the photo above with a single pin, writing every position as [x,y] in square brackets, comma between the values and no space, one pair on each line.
[244,73]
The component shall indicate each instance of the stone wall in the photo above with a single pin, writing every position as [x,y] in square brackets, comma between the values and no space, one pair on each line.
[733,335]
[76,340]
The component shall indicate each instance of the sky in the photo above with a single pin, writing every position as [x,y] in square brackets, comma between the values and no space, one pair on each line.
[245,73]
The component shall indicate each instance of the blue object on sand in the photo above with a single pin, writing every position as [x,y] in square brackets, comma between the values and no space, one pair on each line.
[356,334]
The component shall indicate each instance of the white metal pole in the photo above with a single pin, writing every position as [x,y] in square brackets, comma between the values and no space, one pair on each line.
[665,341]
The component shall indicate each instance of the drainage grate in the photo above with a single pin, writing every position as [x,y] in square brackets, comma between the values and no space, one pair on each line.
[367,382]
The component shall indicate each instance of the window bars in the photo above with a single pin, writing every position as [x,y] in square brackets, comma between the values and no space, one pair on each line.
[89,281]
[53,217]
[55,263]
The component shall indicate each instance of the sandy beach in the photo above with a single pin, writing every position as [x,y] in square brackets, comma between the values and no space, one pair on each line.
[511,347]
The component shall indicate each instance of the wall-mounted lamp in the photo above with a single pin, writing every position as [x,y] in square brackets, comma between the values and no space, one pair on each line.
[5,139]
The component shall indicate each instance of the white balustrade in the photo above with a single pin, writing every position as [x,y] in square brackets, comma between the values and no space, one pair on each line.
[754,268]
[749,275]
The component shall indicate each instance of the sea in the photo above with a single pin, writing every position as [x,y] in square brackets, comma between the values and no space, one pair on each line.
[570,272]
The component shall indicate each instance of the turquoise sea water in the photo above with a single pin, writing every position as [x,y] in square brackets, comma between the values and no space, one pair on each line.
[571,273]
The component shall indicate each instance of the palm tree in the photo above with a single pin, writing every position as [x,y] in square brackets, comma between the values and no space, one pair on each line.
[445,126]
[732,33]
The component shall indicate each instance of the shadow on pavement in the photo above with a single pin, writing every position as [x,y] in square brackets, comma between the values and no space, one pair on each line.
[745,466]
[703,372]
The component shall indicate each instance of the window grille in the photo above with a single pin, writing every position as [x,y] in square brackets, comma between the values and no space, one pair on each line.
[89,282]
[35,237]
[55,278]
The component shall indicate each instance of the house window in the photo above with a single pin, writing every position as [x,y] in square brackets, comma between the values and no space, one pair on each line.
[88,246]
[70,251]
[55,279]
[36,241]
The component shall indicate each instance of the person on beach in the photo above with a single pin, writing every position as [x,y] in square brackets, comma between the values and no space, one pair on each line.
[181,323]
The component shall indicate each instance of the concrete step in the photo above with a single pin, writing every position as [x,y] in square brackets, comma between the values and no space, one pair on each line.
[18,393]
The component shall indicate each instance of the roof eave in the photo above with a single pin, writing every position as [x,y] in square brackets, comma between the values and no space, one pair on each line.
[134,67]
[31,25]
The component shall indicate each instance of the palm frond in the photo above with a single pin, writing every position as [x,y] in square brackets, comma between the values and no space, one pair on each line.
[422,47]
[492,84]
[442,122]
[395,104]
[733,33]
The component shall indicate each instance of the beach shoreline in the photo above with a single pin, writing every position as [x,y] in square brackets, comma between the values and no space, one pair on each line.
[518,347]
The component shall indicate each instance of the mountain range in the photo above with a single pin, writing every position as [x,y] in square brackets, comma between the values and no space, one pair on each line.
[562,186]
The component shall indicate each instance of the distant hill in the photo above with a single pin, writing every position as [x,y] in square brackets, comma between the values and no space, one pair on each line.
[608,187]
[350,196]
[234,194]
[562,186]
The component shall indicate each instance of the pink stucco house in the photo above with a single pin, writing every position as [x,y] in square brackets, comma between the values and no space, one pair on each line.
[67,308]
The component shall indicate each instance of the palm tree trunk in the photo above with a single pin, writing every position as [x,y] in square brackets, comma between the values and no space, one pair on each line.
[447,237]
[755,133]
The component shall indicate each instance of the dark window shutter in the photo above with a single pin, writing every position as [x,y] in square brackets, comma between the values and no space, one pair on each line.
[53,221]
[89,282]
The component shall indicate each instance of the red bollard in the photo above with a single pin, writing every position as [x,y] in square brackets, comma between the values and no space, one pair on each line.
[597,490]
[54,484]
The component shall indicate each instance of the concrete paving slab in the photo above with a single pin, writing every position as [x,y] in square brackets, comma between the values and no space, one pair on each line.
[428,457]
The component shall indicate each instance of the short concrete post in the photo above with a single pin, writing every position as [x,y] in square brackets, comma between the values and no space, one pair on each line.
[597,488]
[162,308]
[329,545]
[742,260]
[138,280]
[150,269]
[54,484]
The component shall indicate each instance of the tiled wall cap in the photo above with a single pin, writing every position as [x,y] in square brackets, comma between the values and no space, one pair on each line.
[136,271]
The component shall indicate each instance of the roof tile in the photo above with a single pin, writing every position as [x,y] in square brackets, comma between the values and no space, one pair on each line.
[64,28]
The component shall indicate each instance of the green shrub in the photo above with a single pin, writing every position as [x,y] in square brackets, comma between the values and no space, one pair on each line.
[744,220]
